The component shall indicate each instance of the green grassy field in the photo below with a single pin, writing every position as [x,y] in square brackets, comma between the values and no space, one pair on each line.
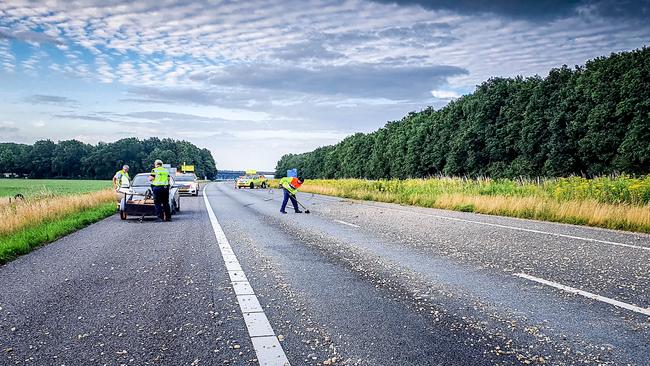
[49,187]
[51,209]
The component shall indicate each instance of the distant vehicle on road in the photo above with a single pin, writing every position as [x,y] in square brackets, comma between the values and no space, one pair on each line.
[251,181]
[187,183]
[138,200]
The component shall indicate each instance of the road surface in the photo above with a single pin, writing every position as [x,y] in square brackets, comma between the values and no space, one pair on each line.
[232,281]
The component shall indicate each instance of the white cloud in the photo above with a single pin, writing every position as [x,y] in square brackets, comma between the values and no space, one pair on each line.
[289,135]
[187,37]
[7,59]
[444,94]
[275,69]
[104,72]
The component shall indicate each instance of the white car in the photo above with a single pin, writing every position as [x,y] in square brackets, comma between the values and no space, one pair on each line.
[187,183]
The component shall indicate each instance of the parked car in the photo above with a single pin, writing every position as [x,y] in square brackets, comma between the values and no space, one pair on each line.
[138,199]
[187,184]
[251,181]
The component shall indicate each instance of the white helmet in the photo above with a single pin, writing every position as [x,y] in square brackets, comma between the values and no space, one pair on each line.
[158,162]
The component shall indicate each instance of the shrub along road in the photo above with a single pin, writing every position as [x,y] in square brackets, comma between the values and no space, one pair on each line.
[353,282]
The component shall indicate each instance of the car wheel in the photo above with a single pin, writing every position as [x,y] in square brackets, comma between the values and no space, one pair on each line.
[123,215]
[264,185]
[252,186]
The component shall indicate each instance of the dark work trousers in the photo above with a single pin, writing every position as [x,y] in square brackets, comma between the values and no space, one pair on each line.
[161,201]
[288,196]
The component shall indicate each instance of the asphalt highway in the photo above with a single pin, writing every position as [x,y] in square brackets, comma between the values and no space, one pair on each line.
[354,283]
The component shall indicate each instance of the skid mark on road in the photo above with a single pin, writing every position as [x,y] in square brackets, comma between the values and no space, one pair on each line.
[267,347]
[587,294]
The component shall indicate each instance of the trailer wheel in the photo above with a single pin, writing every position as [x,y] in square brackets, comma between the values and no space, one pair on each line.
[123,215]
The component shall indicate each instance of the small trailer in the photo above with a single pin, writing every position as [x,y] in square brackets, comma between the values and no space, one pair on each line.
[134,204]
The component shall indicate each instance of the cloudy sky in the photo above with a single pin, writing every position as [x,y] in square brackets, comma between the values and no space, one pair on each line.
[253,80]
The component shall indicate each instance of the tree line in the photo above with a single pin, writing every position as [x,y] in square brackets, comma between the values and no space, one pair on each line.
[75,159]
[590,120]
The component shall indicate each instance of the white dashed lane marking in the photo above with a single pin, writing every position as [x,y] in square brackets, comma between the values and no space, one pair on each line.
[346,223]
[509,227]
[267,347]
[518,228]
[587,294]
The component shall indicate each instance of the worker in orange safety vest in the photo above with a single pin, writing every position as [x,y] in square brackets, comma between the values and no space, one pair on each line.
[290,187]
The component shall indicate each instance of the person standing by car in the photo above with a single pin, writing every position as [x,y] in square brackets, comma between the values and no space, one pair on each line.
[290,187]
[121,180]
[160,187]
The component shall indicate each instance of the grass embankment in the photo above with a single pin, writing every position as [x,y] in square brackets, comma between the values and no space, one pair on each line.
[50,210]
[615,203]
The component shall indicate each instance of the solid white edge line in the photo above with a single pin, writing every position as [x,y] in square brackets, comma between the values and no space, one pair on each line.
[346,223]
[516,228]
[586,294]
[267,347]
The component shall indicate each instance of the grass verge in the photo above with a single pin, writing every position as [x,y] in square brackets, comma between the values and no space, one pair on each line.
[28,238]
[19,214]
[615,203]
[37,220]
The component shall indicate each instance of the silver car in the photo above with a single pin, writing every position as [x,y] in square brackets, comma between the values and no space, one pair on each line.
[138,199]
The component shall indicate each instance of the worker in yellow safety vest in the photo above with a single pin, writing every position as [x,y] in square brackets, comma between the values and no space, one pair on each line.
[290,187]
[121,180]
[159,179]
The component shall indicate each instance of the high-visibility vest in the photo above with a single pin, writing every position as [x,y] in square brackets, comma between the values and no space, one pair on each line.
[122,174]
[291,184]
[161,176]
[295,183]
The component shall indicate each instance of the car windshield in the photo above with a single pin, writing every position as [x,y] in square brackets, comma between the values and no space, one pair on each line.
[184,178]
[141,180]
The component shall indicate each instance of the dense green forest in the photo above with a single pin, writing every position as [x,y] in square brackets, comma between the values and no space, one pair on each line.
[590,120]
[74,159]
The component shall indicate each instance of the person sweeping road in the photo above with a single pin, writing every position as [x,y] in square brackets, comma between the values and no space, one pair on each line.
[290,187]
